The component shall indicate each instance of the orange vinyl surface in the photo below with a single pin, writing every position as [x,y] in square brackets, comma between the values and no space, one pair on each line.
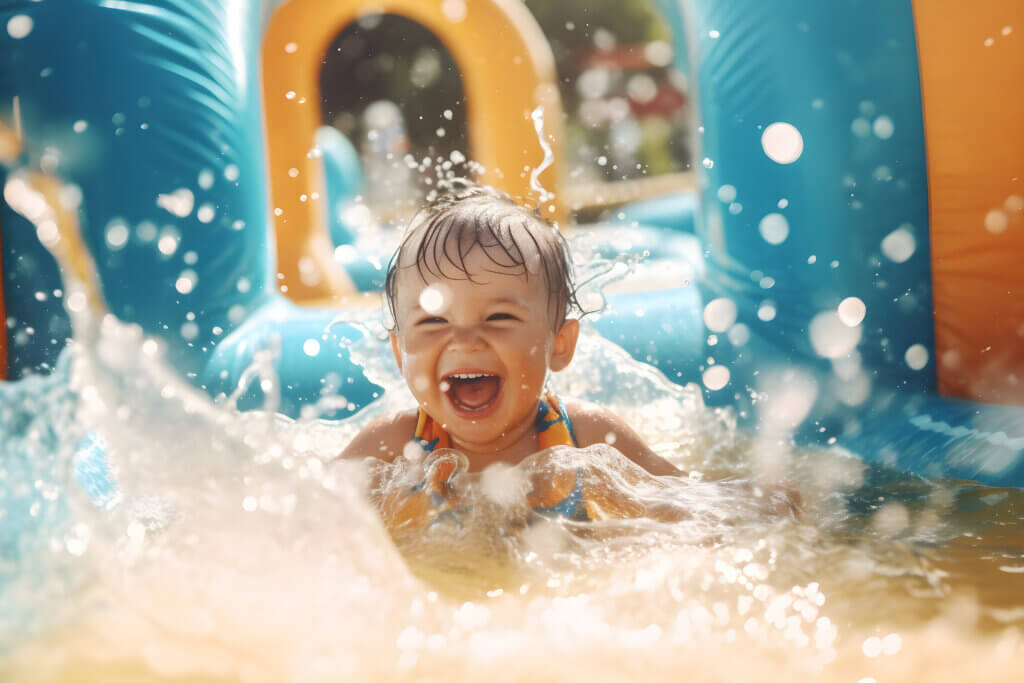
[972,72]
[502,57]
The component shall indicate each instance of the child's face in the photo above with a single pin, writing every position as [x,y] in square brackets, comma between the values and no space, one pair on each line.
[476,354]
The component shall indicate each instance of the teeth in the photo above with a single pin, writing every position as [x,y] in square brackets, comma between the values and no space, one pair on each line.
[470,375]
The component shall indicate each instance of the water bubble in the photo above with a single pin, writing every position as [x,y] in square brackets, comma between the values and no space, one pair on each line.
[720,314]
[231,173]
[658,53]
[77,302]
[883,128]
[831,337]
[504,484]
[1014,203]
[19,26]
[782,142]
[774,228]
[916,356]
[996,221]
[206,213]
[899,245]
[861,127]
[434,299]
[205,179]
[168,242]
[454,10]
[716,377]
[179,203]
[190,258]
[311,347]
[851,311]
[189,331]
[291,48]
[788,396]
[872,647]
[243,285]
[714,34]
[735,208]
[892,644]
[766,311]
[726,194]
[739,334]
[80,126]
[707,163]
[116,234]
[70,196]
[186,281]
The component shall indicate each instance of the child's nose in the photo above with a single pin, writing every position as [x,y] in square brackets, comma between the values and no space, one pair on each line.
[467,336]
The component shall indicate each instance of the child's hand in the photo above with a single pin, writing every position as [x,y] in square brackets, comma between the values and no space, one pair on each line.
[436,496]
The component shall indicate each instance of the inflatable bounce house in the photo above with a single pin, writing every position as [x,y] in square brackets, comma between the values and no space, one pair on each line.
[859,211]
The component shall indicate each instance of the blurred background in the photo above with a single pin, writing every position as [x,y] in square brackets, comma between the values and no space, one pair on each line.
[391,87]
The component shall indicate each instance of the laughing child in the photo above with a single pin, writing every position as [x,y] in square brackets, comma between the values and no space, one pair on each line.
[480,291]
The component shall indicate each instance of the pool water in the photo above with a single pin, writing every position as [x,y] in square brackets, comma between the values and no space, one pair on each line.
[235,549]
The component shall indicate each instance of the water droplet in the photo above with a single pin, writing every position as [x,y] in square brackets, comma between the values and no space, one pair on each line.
[916,357]
[852,311]
[726,194]
[996,221]
[739,334]
[883,128]
[186,282]
[205,180]
[766,311]
[205,213]
[716,377]
[720,314]
[434,299]
[774,228]
[831,337]
[782,142]
[291,48]
[168,242]
[899,245]
[454,10]
[311,347]
[116,234]
[19,26]
[80,126]
[707,163]
[179,203]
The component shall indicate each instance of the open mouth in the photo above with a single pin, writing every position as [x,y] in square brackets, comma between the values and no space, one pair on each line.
[473,393]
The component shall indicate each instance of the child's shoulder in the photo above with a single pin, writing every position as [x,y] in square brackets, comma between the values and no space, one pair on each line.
[593,424]
[384,437]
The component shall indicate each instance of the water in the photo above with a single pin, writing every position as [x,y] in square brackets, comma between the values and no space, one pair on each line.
[237,550]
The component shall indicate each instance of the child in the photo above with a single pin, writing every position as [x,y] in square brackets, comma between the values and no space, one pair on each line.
[480,290]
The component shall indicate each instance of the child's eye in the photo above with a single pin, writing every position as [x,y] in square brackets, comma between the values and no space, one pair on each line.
[434,320]
[502,316]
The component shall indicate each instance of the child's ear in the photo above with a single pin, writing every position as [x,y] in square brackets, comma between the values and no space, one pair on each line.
[565,345]
[395,350]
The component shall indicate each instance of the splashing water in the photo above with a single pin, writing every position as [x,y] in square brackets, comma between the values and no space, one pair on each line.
[537,115]
[237,549]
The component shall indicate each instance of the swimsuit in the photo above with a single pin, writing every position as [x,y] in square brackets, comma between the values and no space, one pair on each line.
[553,429]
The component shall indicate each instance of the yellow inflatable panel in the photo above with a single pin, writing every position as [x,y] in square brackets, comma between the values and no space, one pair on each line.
[972,70]
[507,70]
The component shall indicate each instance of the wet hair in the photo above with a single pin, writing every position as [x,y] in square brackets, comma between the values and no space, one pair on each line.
[467,215]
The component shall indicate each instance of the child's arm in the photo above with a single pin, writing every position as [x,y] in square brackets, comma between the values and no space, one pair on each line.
[594,424]
[384,438]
